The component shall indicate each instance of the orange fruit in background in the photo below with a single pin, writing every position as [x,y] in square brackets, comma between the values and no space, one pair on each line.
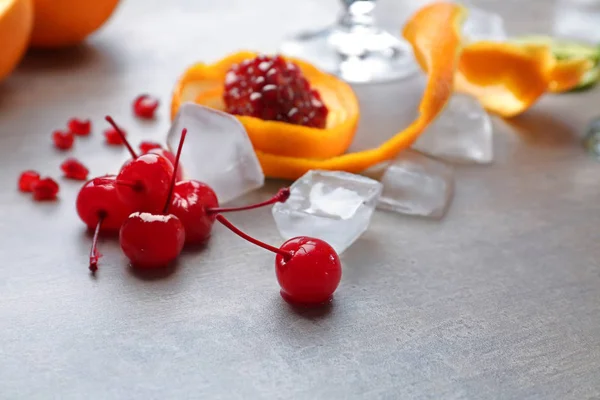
[60,23]
[16,21]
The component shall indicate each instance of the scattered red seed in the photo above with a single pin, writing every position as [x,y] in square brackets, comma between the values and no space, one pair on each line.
[63,140]
[80,127]
[146,146]
[74,169]
[113,137]
[27,180]
[144,106]
[45,189]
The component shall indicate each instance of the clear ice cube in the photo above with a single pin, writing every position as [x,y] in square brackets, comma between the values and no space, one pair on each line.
[415,184]
[483,25]
[217,151]
[329,205]
[462,133]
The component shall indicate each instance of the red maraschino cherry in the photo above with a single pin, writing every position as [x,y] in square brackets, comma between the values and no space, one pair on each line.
[155,148]
[196,205]
[308,269]
[100,209]
[152,240]
[143,182]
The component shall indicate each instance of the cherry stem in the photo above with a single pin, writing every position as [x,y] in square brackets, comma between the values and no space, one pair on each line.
[94,254]
[172,186]
[281,197]
[285,254]
[122,135]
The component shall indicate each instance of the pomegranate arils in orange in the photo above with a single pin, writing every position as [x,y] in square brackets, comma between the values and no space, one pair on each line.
[113,137]
[45,189]
[146,146]
[272,88]
[144,106]
[27,179]
[80,127]
[63,140]
[74,169]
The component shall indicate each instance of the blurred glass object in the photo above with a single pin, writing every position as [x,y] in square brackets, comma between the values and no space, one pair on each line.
[578,19]
[355,48]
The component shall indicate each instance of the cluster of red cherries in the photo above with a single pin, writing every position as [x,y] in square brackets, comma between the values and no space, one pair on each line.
[156,212]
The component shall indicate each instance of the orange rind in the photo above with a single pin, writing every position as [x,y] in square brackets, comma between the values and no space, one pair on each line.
[288,151]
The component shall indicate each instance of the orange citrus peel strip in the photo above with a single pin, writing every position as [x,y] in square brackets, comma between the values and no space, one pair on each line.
[288,151]
[508,78]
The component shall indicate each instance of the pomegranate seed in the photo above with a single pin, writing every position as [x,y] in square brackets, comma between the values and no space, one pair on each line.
[272,88]
[74,169]
[45,189]
[80,127]
[27,180]
[113,137]
[144,106]
[146,146]
[63,140]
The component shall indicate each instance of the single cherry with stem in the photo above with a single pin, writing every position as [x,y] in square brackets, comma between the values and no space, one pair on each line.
[308,269]
[101,209]
[196,205]
[144,181]
[145,147]
[152,240]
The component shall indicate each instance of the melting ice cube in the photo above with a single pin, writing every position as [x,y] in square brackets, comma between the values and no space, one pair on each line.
[462,133]
[483,25]
[415,184]
[329,205]
[217,151]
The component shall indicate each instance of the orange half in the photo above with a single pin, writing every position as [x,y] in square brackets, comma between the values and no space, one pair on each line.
[203,84]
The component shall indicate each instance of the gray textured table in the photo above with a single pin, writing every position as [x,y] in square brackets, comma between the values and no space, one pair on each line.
[501,299]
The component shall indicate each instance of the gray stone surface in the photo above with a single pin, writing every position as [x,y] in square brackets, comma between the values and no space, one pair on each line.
[500,300]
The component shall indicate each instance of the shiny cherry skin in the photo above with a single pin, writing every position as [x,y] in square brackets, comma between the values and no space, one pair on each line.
[191,199]
[98,198]
[144,182]
[171,157]
[150,240]
[308,269]
[312,273]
